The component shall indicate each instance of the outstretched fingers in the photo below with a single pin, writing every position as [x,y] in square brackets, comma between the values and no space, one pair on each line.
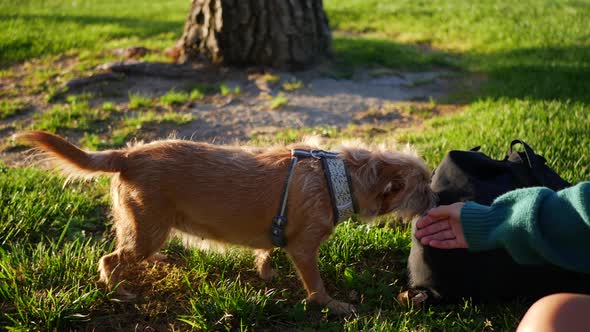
[428,220]
[441,227]
[433,228]
[440,236]
[443,212]
[446,244]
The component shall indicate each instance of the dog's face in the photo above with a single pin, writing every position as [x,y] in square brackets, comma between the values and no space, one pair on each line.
[394,182]
[405,188]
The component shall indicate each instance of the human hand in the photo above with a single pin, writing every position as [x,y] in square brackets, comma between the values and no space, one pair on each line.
[441,227]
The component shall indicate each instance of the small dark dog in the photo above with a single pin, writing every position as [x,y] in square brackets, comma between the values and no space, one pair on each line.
[230,194]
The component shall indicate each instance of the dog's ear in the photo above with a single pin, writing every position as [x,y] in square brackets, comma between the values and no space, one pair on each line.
[391,195]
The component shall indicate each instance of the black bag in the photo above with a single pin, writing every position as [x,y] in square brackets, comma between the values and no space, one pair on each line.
[449,275]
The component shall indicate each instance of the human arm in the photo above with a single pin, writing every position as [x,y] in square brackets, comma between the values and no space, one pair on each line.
[535,225]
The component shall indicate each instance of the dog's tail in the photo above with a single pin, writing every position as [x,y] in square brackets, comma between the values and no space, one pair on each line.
[73,162]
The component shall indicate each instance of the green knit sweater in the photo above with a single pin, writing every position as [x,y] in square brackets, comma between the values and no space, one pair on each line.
[535,225]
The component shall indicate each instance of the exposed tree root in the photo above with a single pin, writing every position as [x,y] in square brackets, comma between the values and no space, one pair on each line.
[159,69]
[82,82]
[120,70]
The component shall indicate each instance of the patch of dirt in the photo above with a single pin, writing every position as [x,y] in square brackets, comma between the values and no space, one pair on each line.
[268,101]
[320,101]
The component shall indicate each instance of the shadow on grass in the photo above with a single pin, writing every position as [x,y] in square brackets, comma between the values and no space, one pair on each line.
[351,51]
[545,73]
[549,73]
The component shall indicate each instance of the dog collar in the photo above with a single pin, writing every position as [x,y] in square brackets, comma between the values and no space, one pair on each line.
[339,186]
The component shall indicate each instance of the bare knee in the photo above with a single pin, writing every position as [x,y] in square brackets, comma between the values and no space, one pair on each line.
[558,312]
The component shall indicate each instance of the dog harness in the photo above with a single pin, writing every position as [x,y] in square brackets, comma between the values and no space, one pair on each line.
[339,187]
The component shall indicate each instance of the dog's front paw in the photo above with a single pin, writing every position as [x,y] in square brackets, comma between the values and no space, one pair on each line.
[413,297]
[122,294]
[341,308]
[267,274]
[263,264]
[157,258]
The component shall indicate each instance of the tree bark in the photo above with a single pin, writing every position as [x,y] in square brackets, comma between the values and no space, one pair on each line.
[278,33]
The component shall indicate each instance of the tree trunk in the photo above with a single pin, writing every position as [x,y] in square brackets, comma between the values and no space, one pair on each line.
[278,33]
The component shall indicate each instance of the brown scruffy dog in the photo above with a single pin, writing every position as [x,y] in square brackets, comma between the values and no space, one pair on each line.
[231,194]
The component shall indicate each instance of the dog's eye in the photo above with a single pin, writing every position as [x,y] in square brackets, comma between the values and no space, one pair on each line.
[388,188]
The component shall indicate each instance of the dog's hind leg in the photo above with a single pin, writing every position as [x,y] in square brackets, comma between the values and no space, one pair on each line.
[263,264]
[140,234]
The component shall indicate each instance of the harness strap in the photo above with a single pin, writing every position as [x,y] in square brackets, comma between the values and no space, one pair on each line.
[339,183]
[277,234]
[340,189]
[316,154]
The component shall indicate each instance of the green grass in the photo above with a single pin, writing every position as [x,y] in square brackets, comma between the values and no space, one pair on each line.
[49,286]
[271,78]
[35,206]
[423,111]
[137,101]
[530,48]
[77,116]
[278,101]
[48,280]
[196,94]
[130,125]
[535,55]
[292,135]
[11,108]
[137,120]
[556,130]
[175,98]
[37,28]
[106,126]
[204,89]
[228,91]
[352,51]
[292,85]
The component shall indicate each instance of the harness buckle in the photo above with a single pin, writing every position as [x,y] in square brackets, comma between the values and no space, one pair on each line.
[277,234]
[316,154]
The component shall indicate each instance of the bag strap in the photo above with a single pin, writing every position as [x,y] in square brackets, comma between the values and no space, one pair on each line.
[528,151]
[531,161]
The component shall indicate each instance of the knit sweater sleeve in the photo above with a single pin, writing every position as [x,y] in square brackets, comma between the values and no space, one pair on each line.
[535,225]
